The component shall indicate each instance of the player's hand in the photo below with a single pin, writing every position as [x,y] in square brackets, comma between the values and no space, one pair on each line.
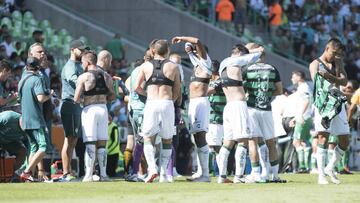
[116,78]
[176,40]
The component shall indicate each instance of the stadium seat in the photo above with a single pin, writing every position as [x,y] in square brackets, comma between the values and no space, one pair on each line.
[6,21]
[16,15]
[98,49]
[45,24]
[67,39]
[28,15]
[258,40]
[16,32]
[84,39]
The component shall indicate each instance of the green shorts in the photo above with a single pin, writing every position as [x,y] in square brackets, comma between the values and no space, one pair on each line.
[135,120]
[71,118]
[37,138]
[302,132]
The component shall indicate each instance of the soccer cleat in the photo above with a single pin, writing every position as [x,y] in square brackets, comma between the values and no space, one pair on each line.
[151,177]
[332,175]
[278,180]
[134,178]
[166,179]
[239,179]
[322,180]
[65,178]
[202,179]
[314,171]
[223,180]
[194,176]
[27,177]
[346,171]
[88,179]
[105,179]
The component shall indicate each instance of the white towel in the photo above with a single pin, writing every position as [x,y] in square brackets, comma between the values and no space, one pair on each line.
[202,63]
[239,61]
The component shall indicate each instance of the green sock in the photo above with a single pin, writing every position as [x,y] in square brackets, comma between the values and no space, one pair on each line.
[300,155]
[346,158]
[306,157]
[211,157]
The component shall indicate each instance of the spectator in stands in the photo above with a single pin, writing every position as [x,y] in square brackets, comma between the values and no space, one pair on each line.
[257,5]
[240,16]
[225,10]
[18,48]
[37,36]
[7,43]
[310,8]
[4,8]
[202,7]
[5,71]
[3,54]
[115,47]
[293,11]
[275,13]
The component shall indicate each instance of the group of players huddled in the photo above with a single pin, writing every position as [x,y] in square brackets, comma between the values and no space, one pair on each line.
[230,106]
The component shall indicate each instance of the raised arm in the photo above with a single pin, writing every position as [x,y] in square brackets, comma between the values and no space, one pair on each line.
[193,40]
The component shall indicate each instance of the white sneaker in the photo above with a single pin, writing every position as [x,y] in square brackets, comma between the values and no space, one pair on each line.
[194,176]
[151,177]
[105,179]
[239,179]
[166,179]
[332,175]
[202,179]
[322,180]
[170,178]
[87,179]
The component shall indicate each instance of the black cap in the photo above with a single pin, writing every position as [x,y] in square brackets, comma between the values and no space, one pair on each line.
[33,62]
[78,44]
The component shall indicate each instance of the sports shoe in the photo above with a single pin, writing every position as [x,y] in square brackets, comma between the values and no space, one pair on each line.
[194,176]
[27,177]
[134,178]
[105,179]
[223,180]
[346,171]
[65,178]
[322,180]
[166,179]
[87,179]
[202,179]
[239,179]
[175,173]
[332,175]
[151,177]
[278,180]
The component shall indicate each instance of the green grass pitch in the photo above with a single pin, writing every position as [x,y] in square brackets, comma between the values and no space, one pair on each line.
[300,188]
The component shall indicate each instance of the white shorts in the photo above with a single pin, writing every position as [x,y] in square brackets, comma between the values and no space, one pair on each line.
[338,125]
[159,119]
[94,122]
[215,134]
[263,122]
[236,121]
[199,110]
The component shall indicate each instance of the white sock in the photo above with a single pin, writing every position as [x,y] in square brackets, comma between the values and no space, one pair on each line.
[320,158]
[203,154]
[199,169]
[329,155]
[275,171]
[89,159]
[338,153]
[223,160]
[149,153]
[164,160]
[240,160]
[264,160]
[102,159]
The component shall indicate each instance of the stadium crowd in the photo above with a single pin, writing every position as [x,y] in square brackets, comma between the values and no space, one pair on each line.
[236,111]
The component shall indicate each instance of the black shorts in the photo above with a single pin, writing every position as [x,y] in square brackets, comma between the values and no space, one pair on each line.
[71,118]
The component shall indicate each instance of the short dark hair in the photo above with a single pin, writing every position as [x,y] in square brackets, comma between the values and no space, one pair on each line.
[215,65]
[5,65]
[161,47]
[239,49]
[91,56]
[336,43]
[300,73]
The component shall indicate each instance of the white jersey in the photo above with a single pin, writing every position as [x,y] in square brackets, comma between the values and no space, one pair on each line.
[303,94]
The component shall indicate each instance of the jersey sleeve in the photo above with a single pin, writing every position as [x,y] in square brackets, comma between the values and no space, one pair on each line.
[39,86]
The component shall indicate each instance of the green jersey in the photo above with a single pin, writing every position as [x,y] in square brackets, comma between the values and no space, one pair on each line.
[114,46]
[32,110]
[137,101]
[69,76]
[217,102]
[259,83]
[10,130]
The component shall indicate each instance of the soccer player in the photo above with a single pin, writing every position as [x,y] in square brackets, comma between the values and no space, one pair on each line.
[71,111]
[237,125]
[303,120]
[97,88]
[217,103]
[199,106]
[12,136]
[5,71]
[328,72]
[32,94]
[163,88]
